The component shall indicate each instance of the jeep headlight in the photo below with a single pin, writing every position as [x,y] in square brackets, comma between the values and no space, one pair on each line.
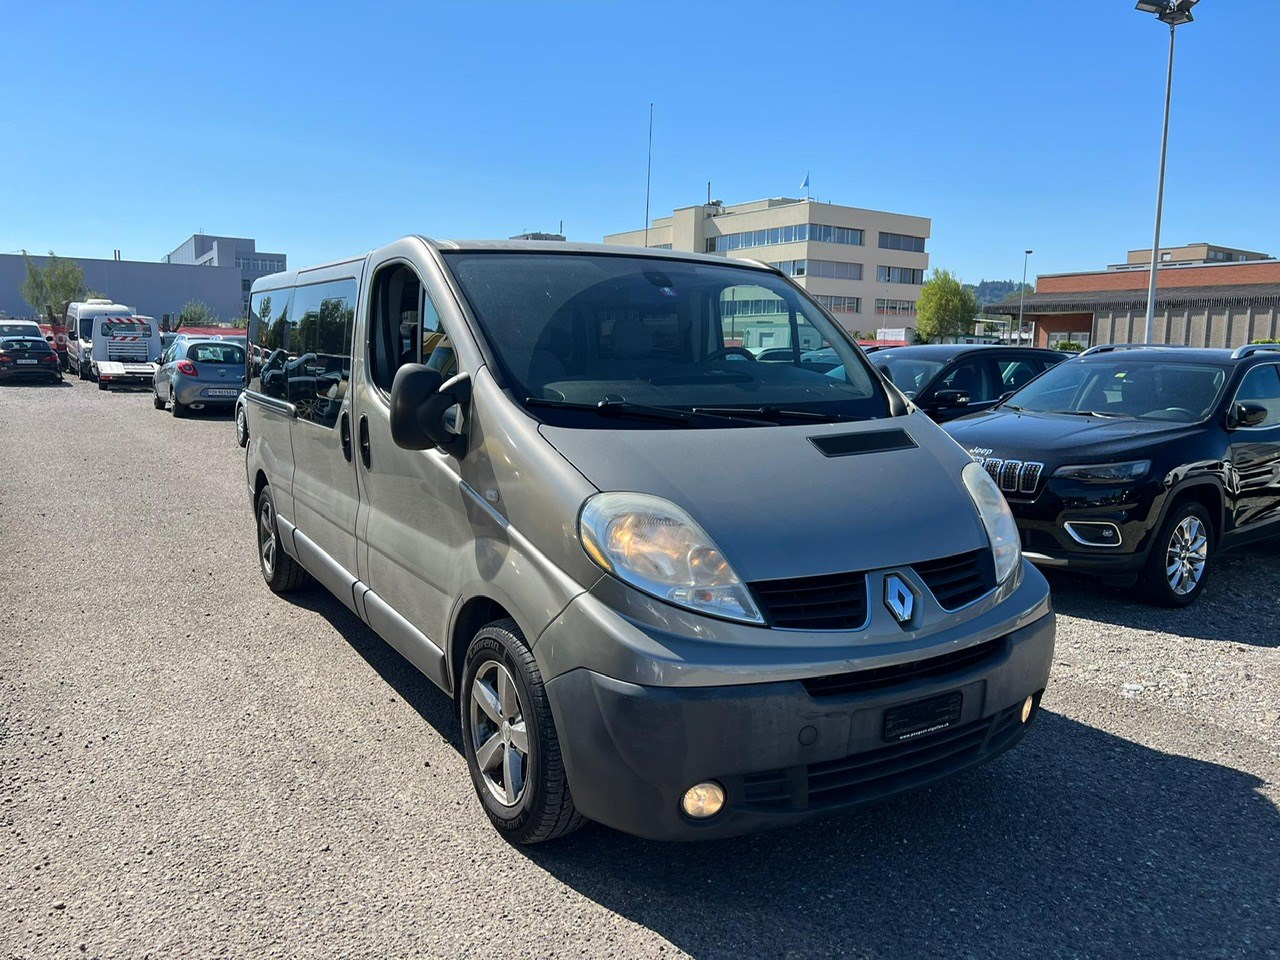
[1002,532]
[1105,472]
[656,547]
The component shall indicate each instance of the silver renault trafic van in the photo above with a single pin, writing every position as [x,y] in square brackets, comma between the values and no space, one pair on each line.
[672,588]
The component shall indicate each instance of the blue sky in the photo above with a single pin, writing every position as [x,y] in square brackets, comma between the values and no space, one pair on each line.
[1012,123]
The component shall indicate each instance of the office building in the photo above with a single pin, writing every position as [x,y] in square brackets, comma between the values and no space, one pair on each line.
[865,266]
[240,252]
[1206,296]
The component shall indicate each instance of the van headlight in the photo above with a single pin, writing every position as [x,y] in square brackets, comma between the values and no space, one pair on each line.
[656,547]
[1002,531]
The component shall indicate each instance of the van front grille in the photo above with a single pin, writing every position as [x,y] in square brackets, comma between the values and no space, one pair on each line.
[956,581]
[834,602]
[880,678]
[862,777]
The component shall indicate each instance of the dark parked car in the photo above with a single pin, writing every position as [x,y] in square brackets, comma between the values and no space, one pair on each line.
[28,358]
[950,380]
[1139,464]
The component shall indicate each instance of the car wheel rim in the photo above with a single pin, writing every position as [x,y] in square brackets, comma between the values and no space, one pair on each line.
[499,735]
[1186,556]
[240,426]
[267,539]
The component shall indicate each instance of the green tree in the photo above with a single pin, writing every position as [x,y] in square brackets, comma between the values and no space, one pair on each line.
[945,307]
[194,313]
[1069,345]
[59,283]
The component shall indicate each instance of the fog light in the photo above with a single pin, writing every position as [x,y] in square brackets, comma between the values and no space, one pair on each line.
[1027,704]
[703,800]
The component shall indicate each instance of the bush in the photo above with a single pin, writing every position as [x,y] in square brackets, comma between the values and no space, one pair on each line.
[1068,345]
[1266,340]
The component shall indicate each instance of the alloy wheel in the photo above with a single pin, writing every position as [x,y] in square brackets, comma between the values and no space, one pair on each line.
[1186,555]
[499,735]
[267,538]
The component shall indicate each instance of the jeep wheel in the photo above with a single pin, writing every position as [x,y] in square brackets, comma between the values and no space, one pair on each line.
[1180,560]
[509,739]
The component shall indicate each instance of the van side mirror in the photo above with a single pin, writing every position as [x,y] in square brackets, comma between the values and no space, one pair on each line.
[420,401]
[1248,415]
[948,399]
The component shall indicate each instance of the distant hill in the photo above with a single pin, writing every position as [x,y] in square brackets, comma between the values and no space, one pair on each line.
[996,291]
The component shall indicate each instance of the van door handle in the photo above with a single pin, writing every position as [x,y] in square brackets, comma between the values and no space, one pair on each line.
[365,455]
[344,431]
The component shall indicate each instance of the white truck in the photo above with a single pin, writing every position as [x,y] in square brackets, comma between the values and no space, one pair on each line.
[109,344]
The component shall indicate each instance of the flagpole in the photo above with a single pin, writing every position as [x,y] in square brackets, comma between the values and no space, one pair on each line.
[648,176]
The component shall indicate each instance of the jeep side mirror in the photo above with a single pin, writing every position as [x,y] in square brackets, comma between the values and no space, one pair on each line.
[1248,415]
[420,402]
[947,399]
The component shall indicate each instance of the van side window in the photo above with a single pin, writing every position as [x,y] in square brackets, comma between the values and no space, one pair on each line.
[405,328]
[269,333]
[318,370]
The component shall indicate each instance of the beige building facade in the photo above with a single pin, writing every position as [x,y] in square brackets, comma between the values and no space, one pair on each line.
[865,266]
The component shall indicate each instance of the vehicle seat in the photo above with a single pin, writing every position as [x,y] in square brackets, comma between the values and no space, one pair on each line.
[1140,392]
[965,379]
[632,354]
[1019,376]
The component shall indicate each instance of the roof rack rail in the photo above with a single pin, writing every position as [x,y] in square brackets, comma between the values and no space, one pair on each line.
[1252,348]
[1108,347]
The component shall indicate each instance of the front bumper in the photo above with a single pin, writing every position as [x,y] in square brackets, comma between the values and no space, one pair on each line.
[784,751]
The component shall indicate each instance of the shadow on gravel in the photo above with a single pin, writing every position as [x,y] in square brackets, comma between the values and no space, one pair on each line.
[1239,603]
[1077,843]
[416,690]
[37,384]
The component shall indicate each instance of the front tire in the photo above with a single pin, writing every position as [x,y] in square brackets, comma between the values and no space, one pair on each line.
[242,426]
[510,741]
[1181,558]
[281,572]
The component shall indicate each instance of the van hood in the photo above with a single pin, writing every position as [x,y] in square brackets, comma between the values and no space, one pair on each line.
[778,507]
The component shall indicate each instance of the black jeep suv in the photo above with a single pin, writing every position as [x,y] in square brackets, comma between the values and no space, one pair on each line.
[1139,463]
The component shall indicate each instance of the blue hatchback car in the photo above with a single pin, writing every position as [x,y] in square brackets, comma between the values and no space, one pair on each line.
[198,375]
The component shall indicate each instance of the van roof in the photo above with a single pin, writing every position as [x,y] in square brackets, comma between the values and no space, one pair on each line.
[288,278]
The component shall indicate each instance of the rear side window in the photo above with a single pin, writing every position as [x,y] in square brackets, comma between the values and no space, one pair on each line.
[223,353]
[318,368]
[269,335]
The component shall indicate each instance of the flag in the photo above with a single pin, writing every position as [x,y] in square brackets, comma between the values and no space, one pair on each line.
[805,185]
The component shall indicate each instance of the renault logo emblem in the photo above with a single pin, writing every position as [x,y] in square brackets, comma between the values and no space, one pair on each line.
[899,598]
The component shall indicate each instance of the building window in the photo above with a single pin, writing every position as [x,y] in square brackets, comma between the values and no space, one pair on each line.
[901,241]
[792,268]
[659,246]
[841,304]
[899,275]
[835,270]
[896,308]
[796,233]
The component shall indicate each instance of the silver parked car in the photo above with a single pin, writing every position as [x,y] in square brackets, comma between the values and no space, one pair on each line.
[671,588]
[199,374]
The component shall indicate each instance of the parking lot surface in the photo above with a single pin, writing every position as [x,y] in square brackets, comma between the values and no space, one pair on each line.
[192,766]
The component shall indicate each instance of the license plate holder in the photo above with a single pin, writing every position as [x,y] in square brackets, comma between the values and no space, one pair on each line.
[923,717]
[216,392]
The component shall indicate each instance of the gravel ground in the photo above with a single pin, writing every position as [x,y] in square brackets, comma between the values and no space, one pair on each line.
[191,766]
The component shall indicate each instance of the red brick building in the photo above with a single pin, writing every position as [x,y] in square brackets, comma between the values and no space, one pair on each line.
[1203,304]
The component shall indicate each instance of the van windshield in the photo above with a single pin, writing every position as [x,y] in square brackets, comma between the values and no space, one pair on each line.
[577,331]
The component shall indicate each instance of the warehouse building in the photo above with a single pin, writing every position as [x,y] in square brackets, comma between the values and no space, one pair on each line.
[1206,296]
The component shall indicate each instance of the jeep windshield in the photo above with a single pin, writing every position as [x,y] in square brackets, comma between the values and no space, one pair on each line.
[1120,387]
[580,337]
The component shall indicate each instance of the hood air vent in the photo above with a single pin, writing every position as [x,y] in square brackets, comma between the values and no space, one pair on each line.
[852,444]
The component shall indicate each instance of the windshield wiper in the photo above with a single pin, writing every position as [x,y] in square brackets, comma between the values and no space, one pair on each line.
[771,413]
[1092,413]
[615,408]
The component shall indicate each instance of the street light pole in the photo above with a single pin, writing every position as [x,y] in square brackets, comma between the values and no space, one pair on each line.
[1022,291]
[1164,150]
[1173,13]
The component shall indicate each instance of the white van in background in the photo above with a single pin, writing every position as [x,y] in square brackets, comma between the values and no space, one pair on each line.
[80,329]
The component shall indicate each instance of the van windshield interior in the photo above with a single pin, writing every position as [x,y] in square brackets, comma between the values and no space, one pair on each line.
[577,331]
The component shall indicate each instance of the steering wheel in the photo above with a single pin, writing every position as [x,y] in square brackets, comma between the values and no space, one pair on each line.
[728,352]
